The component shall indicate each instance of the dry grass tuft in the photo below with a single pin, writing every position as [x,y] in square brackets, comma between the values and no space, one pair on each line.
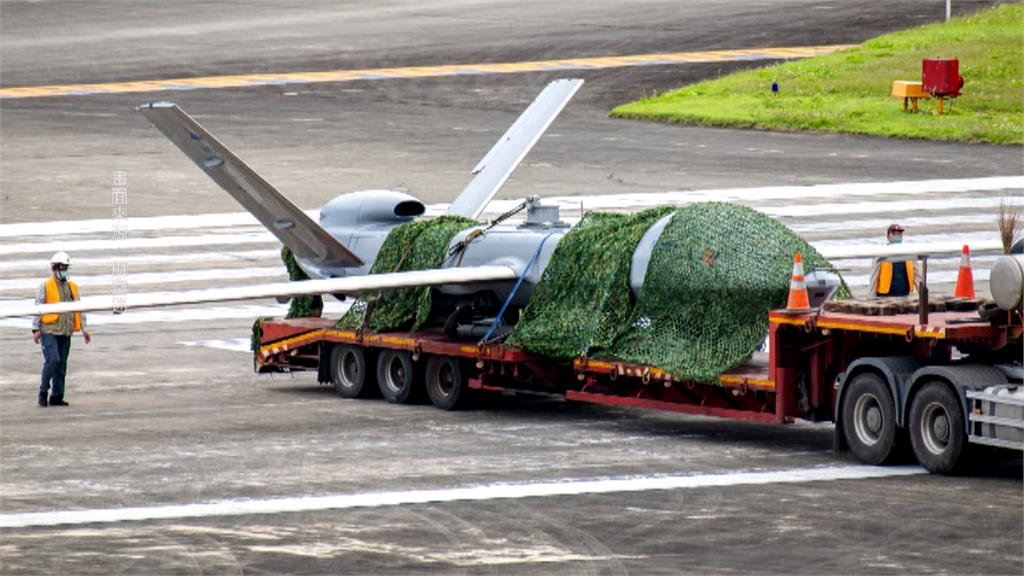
[1009,219]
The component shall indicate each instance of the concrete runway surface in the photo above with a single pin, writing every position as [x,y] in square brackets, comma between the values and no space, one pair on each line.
[175,458]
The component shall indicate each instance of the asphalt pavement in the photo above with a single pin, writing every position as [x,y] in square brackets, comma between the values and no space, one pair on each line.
[166,413]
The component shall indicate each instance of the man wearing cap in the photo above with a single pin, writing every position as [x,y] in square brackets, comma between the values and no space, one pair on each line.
[54,331]
[893,277]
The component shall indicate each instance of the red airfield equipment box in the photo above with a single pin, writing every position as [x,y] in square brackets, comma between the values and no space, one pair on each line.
[941,76]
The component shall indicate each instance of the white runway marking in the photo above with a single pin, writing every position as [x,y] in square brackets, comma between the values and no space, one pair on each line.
[77,246]
[232,344]
[136,224]
[788,193]
[843,221]
[596,202]
[889,207]
[149,260]
[946,276]
[920,244]
[877,226]
[563,487]
[159,278]
[951,261]
[261,237]
[795,216]
[247,311]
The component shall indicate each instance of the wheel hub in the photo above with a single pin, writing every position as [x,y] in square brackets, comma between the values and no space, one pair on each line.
[936,431]
[940,428]
[868,419]
[873,419]
[350,369]
[396,374]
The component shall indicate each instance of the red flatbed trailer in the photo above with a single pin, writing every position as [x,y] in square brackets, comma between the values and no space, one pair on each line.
[863,372]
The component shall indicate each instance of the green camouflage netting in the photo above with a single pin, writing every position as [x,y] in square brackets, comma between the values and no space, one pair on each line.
[583,299]
[257,333]
[418,245]
[715,273]
[301,306]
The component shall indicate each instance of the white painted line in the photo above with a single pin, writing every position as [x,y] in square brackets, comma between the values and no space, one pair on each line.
[791,213]
[837,249]
[798,225]
[287,289]
[245,311]
[596,202]
[563,487]
[778,212]
[150,260]
[135,224]
[75,246]
[934,278]
[936,263]
[915,242]
[878,226]
[232,344]
[216,275]
[266,237]
[6,303]
[616,202]
[797,210]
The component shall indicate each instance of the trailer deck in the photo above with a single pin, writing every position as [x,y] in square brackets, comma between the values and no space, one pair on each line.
[794,379]
[872,374]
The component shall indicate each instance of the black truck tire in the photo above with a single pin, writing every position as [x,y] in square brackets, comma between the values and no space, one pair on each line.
[446,385]
[869,420]
[396,376]
[349,372]
[937,431]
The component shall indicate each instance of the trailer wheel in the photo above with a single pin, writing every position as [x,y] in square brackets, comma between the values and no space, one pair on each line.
[348,371]
[446,385]
[937,428]
[869,420]
[396,377]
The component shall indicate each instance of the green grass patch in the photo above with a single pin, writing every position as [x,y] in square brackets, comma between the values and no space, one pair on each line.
[849,91]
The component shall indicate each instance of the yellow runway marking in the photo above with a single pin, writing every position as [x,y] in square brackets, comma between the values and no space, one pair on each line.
[246,80]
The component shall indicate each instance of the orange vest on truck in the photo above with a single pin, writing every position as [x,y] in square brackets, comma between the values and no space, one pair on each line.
[53,297]
[885,276]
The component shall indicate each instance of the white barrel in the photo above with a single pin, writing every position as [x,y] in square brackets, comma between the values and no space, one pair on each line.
[1006,281]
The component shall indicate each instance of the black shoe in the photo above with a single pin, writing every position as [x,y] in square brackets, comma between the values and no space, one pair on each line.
[42,401]
[58,401]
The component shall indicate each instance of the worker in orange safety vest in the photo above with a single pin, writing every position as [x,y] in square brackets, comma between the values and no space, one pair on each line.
[893,276]
[54,331]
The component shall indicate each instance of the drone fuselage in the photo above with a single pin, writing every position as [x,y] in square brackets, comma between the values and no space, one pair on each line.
[361,221]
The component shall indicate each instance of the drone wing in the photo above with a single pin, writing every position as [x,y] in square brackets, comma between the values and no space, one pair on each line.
[306,239]
[497,165]
[348,285]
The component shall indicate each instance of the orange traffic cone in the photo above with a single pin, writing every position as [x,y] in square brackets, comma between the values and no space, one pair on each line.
[798,298]
[965,280]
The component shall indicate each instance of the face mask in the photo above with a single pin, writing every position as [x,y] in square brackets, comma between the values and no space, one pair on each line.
[62,274]
[896,240]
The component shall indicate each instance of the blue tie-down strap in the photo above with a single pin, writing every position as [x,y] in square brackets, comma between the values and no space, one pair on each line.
[515,288]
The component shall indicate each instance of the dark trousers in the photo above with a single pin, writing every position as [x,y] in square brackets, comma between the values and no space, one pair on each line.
[55,364]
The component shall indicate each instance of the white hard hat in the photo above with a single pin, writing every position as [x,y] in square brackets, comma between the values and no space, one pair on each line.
[61,258]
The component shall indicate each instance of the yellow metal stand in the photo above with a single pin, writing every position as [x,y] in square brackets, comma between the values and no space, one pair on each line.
[910,92]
